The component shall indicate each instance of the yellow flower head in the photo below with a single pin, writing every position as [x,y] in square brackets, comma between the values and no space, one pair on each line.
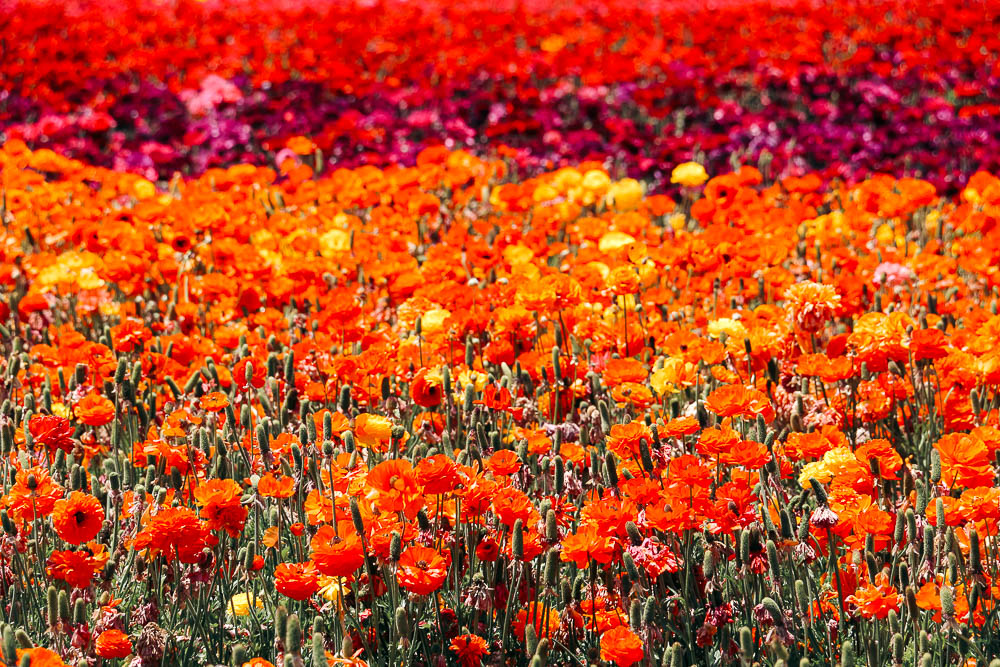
[240,603]
[689,174]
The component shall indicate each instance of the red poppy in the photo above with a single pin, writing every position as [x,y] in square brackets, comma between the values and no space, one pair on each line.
[426,390]
[298,581]
[112,644]
[421,570]
[337,555]
[79,518]
[621,646]
[469,649]
[221,506]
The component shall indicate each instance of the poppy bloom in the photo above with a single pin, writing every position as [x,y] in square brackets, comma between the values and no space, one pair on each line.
[221,506]
[39,657]
[689,174]
[94,410]
[438,474]
[373,431]
[427,388]
[875,601]
[77,568]
[112,644]
[811,304]
[421,570]
[337,555]
[214,401]
[174,532]
[52,432]
[270,486]
[34,494]
[469,649]
[397,487]
[585,545]
[79,518]
[298,581]
[621,646]
[504,462]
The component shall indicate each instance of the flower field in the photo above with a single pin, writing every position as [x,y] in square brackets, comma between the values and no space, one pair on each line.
[535,333]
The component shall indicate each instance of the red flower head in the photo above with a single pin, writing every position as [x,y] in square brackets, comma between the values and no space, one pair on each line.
[421,570]
[79,518]
[621,646]
[112,644]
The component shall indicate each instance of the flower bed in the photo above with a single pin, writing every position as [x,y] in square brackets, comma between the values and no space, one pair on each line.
[536,334]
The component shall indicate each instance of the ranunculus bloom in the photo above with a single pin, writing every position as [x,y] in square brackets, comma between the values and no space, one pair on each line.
[79,518]
[112,644]
[621,646]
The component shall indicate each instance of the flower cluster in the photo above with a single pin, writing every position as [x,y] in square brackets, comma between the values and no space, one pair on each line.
[842,89]
[272,417]
[373,333]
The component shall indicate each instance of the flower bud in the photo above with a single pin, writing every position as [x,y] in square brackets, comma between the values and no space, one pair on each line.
[293,634]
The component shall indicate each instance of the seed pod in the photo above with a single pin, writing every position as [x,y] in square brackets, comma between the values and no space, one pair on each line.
[708,563]
[774,610]
[928,550]
[893,619]
[402,622]
[935,466]
[649,611]
[677,655]
[787,524]
[344,403]
[772,558]
[79,612]
[746,643]
[52,605]
[8,525]
[22,639]
[633,571]
[240,656]
[551,573]
[346,647]
[645,456]
[802,598]
[611,470]
[517,541]
[745,546]
[289,367]
[551,526]
[847,654]
[293,634]
[911,603]
[395,547]
[8,648]
[280,620]
[359,525]
[635,615]
[948,601]
[64,611]
[530,639]
[820,492]
[873,568]
[634,535]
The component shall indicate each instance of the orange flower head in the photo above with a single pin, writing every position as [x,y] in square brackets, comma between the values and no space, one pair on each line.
[79,518]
